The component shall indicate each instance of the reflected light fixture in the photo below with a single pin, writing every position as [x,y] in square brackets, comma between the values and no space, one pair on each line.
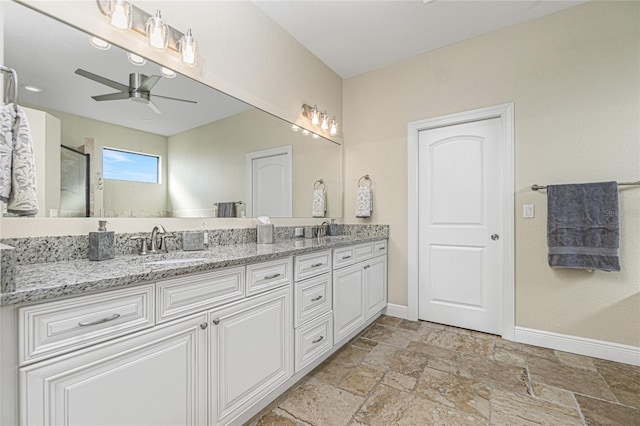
[305,132]
[295,128]
[188,48]
[313,135]
[136,59]
[334,127]
[325,122]
[166,72]
[315,119]
[157,32]
[99,43]
[120,14]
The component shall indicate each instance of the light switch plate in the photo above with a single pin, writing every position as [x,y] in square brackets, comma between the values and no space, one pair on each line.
[528,211]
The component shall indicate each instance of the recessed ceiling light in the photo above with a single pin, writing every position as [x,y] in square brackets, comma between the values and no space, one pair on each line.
[135,59]
[99,43]
[167,72]
[31,88]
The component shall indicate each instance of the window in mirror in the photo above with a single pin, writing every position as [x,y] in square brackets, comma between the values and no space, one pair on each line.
[132,166]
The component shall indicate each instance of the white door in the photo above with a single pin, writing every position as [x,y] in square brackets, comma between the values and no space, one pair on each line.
[269,183]
[461,170]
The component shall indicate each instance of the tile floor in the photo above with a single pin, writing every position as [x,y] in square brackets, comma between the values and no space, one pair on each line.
[400,372]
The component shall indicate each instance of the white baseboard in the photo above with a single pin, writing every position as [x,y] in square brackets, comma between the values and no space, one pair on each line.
[579,345]
[398,311]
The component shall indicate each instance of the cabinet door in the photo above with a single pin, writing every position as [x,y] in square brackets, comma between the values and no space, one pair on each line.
[348,300]
[155,377]
[251,352]
[376,285]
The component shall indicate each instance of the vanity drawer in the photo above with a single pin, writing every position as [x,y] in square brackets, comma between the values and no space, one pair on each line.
[53,328]
[363,251]
[267,275]
[311,265]
[312,298]
[344,256]
[379,248]
[178,297]
[313,340]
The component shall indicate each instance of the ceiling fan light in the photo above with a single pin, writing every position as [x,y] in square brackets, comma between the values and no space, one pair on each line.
[136,59]
[120,14]
[157,32]
[99,43]
[188,48]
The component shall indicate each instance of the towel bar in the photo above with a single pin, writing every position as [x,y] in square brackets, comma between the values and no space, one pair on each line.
[319,181]
[365,177]
[235,202]
[636,183]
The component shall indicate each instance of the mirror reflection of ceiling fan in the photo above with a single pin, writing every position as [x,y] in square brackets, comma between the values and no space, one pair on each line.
[138,90]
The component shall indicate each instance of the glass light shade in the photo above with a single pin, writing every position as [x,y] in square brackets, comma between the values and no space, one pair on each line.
[157,32]
[120,14]
[315,119]
[334,127]
[188,48]
[325,121]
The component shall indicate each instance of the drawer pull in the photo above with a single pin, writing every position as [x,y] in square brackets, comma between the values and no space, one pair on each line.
[99,321]
[216,321]
[272,276]
[315,265]
[204,325]
[381,248]
[315,299]
[346,257]
[318,340]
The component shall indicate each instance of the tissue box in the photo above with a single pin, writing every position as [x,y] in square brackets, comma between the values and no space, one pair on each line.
[192,240]
[102,245]
[265,234]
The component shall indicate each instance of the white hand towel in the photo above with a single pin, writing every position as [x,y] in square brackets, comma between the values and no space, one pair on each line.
[364,202]
[17,163]
[319,207]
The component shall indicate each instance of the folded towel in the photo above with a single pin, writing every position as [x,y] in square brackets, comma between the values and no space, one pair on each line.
[319,208]
[364,202]
[227,209]
[583,226]
[17,163]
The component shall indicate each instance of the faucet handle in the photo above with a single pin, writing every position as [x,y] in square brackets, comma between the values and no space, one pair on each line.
[143,246]
[163,243]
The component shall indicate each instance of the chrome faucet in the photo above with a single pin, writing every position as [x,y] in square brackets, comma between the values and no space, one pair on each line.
[321,230]
[158,229]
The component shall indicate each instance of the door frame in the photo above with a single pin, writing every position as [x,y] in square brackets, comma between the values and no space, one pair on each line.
[272,152]
[504,112]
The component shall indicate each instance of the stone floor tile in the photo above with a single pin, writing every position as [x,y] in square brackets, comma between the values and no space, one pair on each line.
[390,336]
[363,343]
[431,325]
[519,359]
[598,412]
[509,408]
[456,341]
[388,321]
[273,418]
[319,403]
[472,333]
[554,373]
[410,325]
[523,348]
[576,361]
[438,358]
[336,368]
[465,395]
[623,380]
[507,377]
[399,381]
[551,394]
[389,406]
[362,379]
[397,359]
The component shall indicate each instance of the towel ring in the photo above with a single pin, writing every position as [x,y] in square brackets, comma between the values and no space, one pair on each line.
[319,184]
[365,177]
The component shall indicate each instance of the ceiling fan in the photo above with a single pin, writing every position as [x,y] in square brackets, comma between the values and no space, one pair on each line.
[138,90]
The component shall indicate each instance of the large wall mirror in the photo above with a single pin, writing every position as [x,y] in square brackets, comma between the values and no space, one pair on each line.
[191,151]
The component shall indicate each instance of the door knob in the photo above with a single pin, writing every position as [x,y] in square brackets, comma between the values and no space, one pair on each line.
[495,237]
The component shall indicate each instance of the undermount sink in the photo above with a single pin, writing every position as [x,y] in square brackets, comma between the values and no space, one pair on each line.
[175,261]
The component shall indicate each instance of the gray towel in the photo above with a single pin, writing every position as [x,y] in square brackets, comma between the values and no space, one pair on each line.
[583,226]
[227,209]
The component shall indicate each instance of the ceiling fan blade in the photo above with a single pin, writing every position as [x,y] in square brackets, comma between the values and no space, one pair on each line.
[148,83]
[102,80]
[173,99]
[112,96]
[153,107]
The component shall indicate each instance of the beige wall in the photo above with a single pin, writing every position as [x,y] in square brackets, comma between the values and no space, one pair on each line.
[574,78]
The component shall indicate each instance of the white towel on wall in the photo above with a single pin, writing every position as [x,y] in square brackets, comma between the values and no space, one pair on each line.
[319,208]
[364,202]
[17,163]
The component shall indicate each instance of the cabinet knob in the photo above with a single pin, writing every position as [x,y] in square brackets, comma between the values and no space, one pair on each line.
[204,325]
[495,237]
[216,321]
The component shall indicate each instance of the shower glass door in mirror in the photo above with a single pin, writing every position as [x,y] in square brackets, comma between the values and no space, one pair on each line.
[199,136]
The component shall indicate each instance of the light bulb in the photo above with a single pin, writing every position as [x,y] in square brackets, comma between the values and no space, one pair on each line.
[99,43]
[314,116]
[188,48]
[295,128]
[325,121]
[157,32]
[121,15]
[313,135]
[334,127]
[305,132]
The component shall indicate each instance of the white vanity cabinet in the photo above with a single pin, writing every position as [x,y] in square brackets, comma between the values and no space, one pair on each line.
[154,377]
[359,286]
[250,349]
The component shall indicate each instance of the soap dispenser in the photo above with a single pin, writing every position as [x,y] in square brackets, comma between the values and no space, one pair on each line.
[102,243]
[333,228]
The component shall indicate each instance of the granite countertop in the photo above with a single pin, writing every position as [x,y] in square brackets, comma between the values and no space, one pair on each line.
[42,281]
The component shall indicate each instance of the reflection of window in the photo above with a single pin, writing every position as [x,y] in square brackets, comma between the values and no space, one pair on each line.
[126,165]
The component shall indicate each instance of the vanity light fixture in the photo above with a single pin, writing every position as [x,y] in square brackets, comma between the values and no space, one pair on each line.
[120,14]
[334,127]
[99,43]
[321,119]
[315,116]
[166,72]
[325,122]
[188,48]
[135,59]
[157,32]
